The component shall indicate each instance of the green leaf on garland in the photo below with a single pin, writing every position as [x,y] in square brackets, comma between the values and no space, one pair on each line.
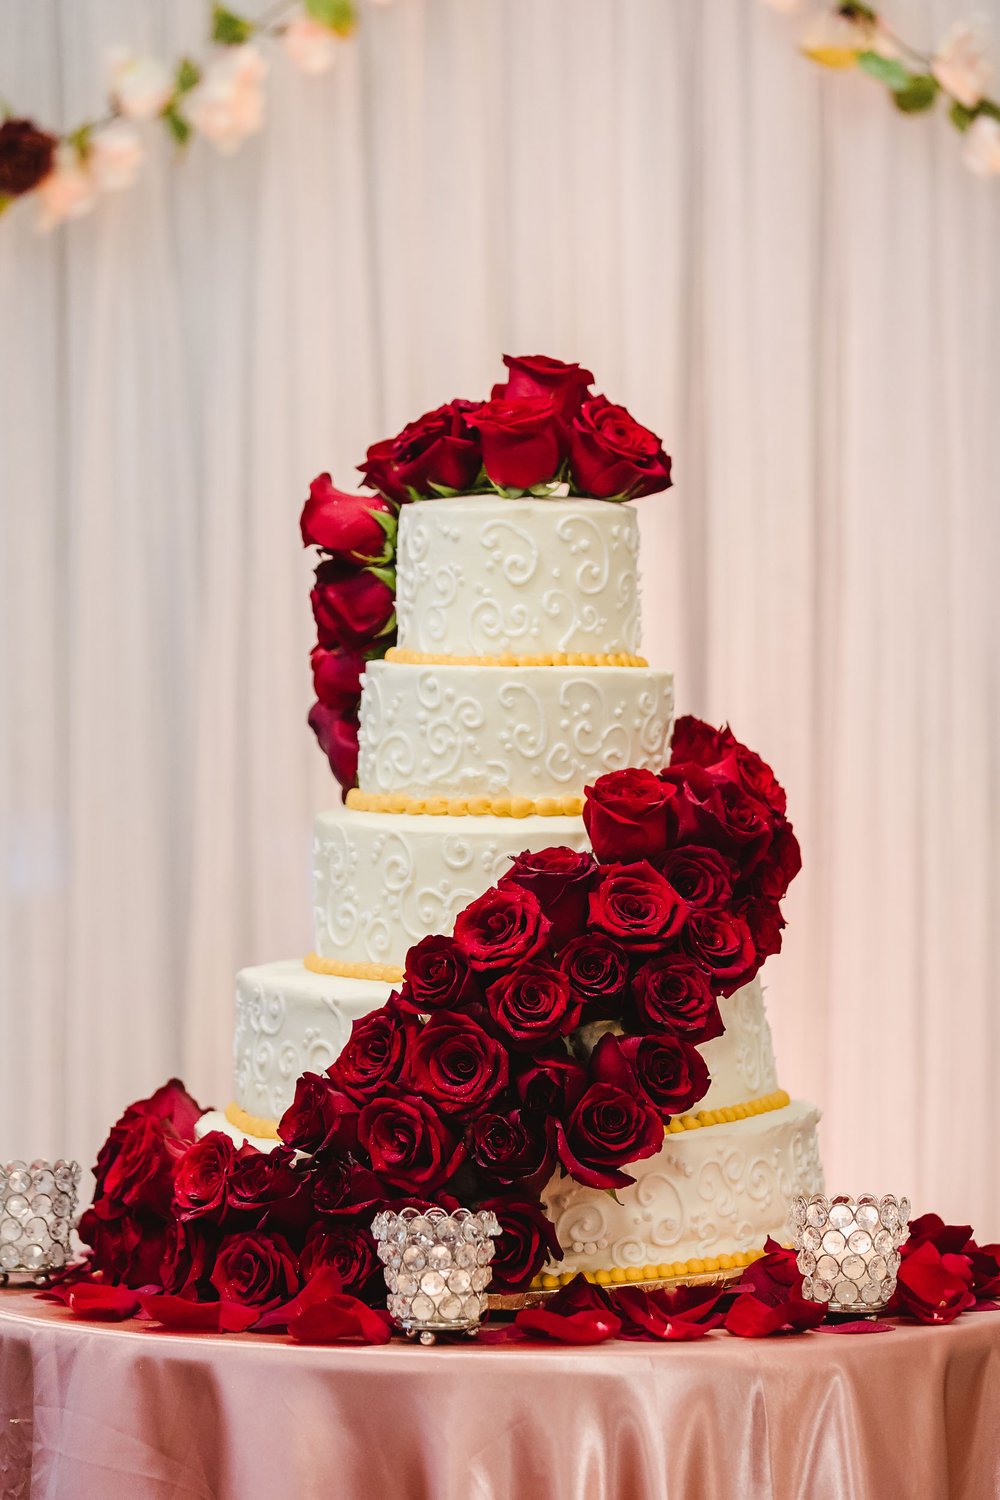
[961,117]
[188,74]
[229,29]
[339,15]
[886,69]
[919,94]
[5,202]
[853,10]
[176,124]
[988,107]
[80,139]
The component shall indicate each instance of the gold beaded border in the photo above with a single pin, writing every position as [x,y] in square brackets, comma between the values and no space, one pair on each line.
[257,1125]
[338,969]
[710,1267]
[464,807]
[730,1112]
[517,659]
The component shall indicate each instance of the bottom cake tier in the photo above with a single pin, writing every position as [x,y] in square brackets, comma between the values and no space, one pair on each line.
[706,1202]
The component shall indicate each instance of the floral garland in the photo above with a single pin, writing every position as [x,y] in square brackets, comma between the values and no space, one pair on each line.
[855,35]
[221,99]
[543,432]
[556,1029]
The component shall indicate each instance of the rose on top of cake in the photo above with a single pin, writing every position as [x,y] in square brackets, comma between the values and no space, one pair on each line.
[544,432]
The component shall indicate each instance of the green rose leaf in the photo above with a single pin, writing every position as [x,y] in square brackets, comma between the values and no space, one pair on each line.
[229,29]
[919,94]
[339,15]
[886,69]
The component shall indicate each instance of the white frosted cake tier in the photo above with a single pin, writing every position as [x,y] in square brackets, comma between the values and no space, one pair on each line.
[291,1021]
[383,881]
[480,575]
[741,1061]
[517,731]
[715,1191]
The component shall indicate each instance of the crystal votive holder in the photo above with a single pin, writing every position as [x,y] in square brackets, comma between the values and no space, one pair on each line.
[37,1210]
[437,1268]
[848,1249]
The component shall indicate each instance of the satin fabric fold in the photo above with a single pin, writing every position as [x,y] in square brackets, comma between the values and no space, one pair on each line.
[123,1413]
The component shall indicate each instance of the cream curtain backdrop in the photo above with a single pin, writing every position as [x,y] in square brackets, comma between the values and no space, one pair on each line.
[795,285]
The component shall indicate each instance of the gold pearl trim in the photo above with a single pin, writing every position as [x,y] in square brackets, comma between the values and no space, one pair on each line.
[386,973]
[517,659]
[668,1271]
[250,1124]
[465,807]
[762,1106]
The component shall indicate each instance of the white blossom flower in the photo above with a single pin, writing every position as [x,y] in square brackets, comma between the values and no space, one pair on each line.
[961,67]
[228,104]
[115,155]
[310,45]
[981,150]
[68,192]
[140,86]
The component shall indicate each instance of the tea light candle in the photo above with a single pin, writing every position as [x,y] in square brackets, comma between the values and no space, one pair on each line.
[437,1268]
[848,1249]
[37,1206]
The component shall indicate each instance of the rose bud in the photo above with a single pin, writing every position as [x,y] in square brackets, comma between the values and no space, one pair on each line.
[437,977]
[338,739]
[457,1065]
[352,606]
[522,443]
[561,880]
[255,1270]
[267,1185]
[501,928]
[636,907]
[720,815]
[527,1242]
[337,678]
[597,970]
[612,456]
[674,994]
[566,385]
[439,453]
[353,528]
[408,1143]
[626,816]
[319,1116]
[532,1005]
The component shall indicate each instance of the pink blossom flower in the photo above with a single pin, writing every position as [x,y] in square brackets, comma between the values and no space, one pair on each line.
[228,104]
[981,152]
[311,46]
[115,156]
[961,66]
[68,192]
[140,86]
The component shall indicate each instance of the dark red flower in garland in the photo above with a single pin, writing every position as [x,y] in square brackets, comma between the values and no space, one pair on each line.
[529,375]
[337,733]
[26,155]
[613,456]
[352,606]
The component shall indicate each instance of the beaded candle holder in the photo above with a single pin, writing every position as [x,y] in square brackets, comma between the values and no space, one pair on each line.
[37,1207]
[848,1249]
[437,1268]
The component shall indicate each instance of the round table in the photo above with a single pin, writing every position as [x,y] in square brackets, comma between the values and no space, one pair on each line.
[101,1411]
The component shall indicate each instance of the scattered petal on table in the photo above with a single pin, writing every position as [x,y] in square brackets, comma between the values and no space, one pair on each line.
[862,1325]
[341,1319]
[111,1303]
[568,1328]
[749,1318]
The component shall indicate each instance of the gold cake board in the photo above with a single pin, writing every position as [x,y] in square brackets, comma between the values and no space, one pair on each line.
[536,1295]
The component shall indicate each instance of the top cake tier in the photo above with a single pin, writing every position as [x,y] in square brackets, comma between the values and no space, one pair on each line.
[482,576]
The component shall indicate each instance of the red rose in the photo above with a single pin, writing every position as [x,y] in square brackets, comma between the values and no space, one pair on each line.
[355,528]
[671,1072]
[203,1176]
[255,1270]
[436,977]
[608,1128]
[723,946]
[985,1263]
[347,1249]
[538,375]
[765,922]
[338,1186]
[625,814]
[501,928]
[438,452]
[353,606]
[267,1185]
[743,765]
[780,865]
[375,1052]
[612,456]
[560,879]
[514,1147]
[409,1145]
[533,1004]
[720,815]
[138,1165]
[337,679]
[173,1106]
[457,1065]
[124,1247]
[174,1114]
[704,877]
[597,970]
[319,1116]
[551,1085]
[638,908]
[931,1287]
[770,1298]
[527,1241]
[673,994]
[338,739]
[950,1239]
[522,446]
[188,1256]
[25,157]
[695,741]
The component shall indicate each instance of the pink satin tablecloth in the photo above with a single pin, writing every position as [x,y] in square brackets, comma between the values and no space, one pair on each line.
[117,1412]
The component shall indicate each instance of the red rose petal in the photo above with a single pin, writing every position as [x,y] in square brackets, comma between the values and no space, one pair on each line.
[568,1328]
[341,1320]
[111,1303]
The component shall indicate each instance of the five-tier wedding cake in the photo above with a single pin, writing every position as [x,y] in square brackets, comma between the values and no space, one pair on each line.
[515,684]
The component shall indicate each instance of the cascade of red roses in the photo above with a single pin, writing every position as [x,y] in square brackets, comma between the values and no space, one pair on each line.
[543,431]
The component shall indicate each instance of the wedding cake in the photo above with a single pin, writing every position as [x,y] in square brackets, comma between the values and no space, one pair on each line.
[515,683]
